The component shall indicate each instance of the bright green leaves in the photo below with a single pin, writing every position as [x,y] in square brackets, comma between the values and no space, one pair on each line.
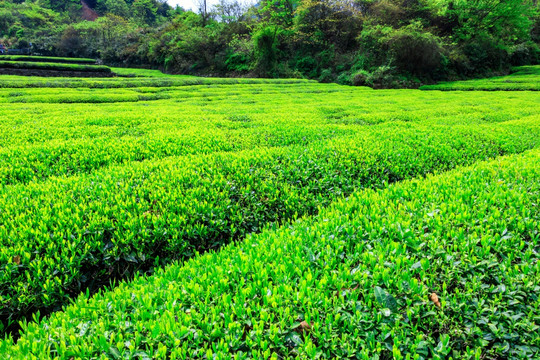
[524,78]
[22,65]
[94,196]
[175,192]
[339,285]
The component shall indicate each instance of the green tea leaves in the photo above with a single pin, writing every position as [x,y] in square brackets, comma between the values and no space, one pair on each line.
[385,299]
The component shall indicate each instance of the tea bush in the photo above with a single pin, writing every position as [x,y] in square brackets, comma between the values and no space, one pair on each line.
[436,268]
[53,66]
[50,59]
[523,78]
[68,234]
[166,168]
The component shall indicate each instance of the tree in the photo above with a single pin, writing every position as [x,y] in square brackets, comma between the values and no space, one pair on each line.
[328,22]
[203,11]
[506,20]
[145,11]
[266,44]
[229,11]
[117,7]
[486,31]
[278,12]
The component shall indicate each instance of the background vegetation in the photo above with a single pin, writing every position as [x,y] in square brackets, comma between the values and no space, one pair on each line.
[380,43]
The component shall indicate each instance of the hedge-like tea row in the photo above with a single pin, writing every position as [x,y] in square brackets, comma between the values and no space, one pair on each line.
[50,59]
[134,72]
[524,78]
[56,158]
[42,140]
[84,95]
[77,98]
[105,83]
[65,235]
[441,267]
[53,66]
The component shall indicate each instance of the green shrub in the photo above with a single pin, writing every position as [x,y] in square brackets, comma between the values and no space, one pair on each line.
[525,53]
[129,218]
[485,54]
[266,42]
[344,79]
[410,49]
[414,50]
[308,66]
[421,268]
[53,66]
[167,81]
[92,196]
[360,78]
[327,76]
[237,62]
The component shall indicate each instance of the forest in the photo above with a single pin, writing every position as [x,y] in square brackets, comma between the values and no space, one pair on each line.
[378,43]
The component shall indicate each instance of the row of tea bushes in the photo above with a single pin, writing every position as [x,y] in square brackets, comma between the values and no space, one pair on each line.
[524,78]
[42,140]
[105,83]
[67,234]
[78,98]
[23,164]
[134,94]
[436,268]
[49,59]
[53,66]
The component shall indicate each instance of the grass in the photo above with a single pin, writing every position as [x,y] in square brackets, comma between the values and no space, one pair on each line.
[523,78]
[305,210]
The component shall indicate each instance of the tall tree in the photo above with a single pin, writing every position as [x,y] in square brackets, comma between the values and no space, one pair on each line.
[203,11]
[145,11]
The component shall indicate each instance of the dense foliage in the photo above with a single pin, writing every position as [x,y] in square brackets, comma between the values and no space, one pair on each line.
[91,195]
[422,269]
[380,43]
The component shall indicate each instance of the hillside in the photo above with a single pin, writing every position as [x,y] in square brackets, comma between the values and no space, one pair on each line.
[378,43]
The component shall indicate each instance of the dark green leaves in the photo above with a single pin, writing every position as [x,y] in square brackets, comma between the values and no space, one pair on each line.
[385,300]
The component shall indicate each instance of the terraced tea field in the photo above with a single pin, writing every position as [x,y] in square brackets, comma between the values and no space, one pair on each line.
[176,217]
[15,65]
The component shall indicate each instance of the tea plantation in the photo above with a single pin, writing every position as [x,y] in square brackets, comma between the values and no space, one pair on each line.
[522,78]
[176,217]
